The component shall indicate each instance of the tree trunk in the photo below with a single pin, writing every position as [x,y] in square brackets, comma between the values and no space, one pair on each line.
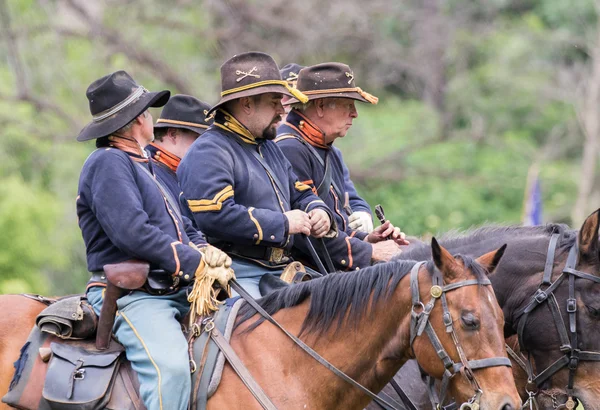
[591,128]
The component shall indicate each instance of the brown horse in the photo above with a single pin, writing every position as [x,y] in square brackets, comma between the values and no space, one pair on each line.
[516,280]
[359,322]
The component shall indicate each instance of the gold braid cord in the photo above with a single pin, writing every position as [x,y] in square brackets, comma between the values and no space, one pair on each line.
[367,96]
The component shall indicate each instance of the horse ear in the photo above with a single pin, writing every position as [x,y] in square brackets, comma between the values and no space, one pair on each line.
[588,238]
[490,260]
[443,260]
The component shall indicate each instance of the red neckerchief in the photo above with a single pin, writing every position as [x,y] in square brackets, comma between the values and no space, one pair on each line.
[309,131]
[165,157]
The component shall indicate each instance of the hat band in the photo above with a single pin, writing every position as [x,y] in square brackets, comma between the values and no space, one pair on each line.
[190,124]
[369,97]
[111,111]
[296,93]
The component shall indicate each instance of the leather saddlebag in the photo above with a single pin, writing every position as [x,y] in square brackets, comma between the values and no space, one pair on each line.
[80,379]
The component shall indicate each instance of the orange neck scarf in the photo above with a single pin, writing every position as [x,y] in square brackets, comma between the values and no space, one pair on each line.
[307,129]
[128,145]
[165,157]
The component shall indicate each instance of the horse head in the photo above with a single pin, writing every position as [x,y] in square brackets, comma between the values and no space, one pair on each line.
[559,332]
[467,323]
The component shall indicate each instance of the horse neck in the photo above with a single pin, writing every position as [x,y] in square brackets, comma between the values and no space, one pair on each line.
[371,350]
[520,272]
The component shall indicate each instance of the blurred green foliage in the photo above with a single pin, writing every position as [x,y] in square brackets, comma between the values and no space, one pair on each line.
[504,106]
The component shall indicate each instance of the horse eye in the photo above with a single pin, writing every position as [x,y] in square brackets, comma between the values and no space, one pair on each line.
[469,321]
[595,313]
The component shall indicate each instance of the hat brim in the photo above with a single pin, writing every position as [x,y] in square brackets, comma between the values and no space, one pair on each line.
[99,129]
[271,88]
[353,95]
[197,130]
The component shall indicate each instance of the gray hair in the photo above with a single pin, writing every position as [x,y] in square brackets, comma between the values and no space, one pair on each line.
[127,127]
[301,106]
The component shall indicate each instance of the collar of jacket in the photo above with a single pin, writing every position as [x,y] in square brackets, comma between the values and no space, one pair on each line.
[228,122]
[309,131]
[128,145]
[165,157]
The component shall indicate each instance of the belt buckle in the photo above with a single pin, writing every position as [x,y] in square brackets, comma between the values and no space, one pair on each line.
[276,255]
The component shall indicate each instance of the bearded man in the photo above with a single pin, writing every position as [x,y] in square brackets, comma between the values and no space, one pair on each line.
[240,188]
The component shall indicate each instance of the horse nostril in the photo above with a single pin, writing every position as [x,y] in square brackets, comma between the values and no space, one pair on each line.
[507,407]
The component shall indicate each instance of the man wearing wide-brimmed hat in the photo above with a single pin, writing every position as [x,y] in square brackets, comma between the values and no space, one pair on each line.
[124,214]
[306,138]
[239,186]
[289,73]
[183,119]
[360,219]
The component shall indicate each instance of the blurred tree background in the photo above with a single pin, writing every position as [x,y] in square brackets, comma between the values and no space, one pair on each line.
[473,94]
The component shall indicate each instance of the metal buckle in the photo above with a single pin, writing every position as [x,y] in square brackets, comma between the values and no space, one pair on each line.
[209,326]
[420,306]
[540,296]
[571,305]
[276,255]
[79,374]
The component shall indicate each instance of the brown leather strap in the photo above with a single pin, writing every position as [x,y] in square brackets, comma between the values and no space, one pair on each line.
[127,375]
[107,316]
[200,370]
[241,370]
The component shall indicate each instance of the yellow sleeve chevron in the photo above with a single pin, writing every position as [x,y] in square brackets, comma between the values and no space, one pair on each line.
[215,204]
[300,187]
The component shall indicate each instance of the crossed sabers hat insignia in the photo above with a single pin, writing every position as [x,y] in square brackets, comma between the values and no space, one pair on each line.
[209,117]
[246,74]
[350,76]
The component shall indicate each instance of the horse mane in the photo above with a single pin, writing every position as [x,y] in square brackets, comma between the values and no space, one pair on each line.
[343,295]
[499,234]
[334,295]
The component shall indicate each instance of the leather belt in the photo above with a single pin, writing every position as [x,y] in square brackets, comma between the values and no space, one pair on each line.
[275,256]
[159,282]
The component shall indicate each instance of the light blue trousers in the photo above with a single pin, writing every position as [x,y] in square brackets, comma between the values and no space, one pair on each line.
[148,327]
[248,275]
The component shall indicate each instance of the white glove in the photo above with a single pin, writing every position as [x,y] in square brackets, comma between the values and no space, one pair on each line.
[218,266]
[361,221]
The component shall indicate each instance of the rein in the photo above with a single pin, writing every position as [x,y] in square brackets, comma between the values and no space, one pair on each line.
[420,323]
[568,335]
[249,299]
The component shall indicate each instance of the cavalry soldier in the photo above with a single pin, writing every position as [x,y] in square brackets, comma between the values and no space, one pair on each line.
[361,218]
[289,73]
[239,186]
[306,138]
[125,213]
[183,119]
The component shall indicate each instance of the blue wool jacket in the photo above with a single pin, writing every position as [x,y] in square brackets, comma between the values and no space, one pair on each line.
[232,198]
[168,178]
[356,202]
[348,250]
[123,215]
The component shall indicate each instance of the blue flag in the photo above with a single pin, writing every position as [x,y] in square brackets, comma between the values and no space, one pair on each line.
[533,204]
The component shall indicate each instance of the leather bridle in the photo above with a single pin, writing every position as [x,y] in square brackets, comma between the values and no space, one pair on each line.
[420,323]
[572,355]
